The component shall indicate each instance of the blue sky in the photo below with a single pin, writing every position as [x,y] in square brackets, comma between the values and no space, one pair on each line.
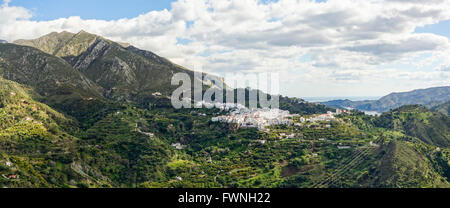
[90,9]
[442,28]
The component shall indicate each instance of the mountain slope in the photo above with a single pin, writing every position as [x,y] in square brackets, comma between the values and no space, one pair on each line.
[35,142]
[28,123]
[406,165]
[443,108]
[44,72]
[58,83]
[428,97]
[125,73]
[417,121]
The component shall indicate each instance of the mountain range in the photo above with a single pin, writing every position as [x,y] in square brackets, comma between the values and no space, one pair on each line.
[79,110]
[120,72]
[430,97]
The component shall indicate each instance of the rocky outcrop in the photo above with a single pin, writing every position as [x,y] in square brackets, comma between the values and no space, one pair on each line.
[95,51]
[121,68]
[149,55]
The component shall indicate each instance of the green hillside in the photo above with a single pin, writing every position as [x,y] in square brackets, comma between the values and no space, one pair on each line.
[36,142]
[417,121]
[117,150]
[410,165]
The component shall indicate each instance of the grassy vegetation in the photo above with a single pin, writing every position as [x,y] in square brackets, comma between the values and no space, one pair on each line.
[127,146]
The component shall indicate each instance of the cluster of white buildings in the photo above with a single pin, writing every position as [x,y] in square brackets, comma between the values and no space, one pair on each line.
[256,118]
[178,146]
[262,117]
[286,136]
[221,106]
[329,116]
[323,117]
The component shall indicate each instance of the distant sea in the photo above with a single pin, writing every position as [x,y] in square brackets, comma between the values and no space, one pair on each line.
[352,98]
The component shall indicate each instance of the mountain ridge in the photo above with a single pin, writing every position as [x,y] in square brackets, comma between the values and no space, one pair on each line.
[124,73]
[428,97]
[30,66]
[57,43]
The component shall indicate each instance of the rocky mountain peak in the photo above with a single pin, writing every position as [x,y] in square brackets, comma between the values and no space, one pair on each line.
[62,44]
[122,71]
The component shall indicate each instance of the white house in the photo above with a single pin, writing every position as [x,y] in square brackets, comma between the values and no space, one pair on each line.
[157,94]
[178,146]
[343,147]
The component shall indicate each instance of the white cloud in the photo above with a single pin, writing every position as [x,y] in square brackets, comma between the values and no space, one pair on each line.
[338,43]
[443,68]
[391,49]
[8,14]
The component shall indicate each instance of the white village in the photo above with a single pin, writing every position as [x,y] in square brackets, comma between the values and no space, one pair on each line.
[261,118]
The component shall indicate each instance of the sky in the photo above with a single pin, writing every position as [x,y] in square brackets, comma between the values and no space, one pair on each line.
[321,48]
[44,10]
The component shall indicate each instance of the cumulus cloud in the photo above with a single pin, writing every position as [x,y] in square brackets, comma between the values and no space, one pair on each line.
[418,1]
[334,41]
[391,49]
[8,14]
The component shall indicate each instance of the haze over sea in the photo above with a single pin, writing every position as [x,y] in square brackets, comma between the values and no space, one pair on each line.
[352,98]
